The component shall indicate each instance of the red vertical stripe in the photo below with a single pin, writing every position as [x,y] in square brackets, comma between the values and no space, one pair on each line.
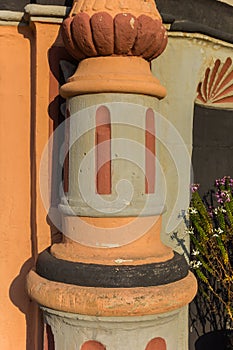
[92,345]
[103,151]
[157,344]
[48,338]
[66,161]
[150,152]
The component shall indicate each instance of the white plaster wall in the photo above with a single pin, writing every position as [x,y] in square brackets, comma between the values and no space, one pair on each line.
[229,2]
[180,68]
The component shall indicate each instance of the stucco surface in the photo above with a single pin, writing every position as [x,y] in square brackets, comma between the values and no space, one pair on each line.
[24,130]
[116,332]
[14,184]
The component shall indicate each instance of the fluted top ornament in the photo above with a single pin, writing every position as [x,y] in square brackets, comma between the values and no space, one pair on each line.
[114,28]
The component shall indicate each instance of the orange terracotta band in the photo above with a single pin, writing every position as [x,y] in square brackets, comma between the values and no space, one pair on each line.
[113,7]
[148,248]
[103,34]
[113,74]
[111,301]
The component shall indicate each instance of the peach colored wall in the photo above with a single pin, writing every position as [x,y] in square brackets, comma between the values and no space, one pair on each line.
[24,131]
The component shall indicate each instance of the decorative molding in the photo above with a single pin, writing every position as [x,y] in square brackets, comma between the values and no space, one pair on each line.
[135,7]
[111,276]
[106,30]
[46,10]
[46,13]
[201,38]
[123,74]
[192,16]
[10,17]
[111,301]
[217,85]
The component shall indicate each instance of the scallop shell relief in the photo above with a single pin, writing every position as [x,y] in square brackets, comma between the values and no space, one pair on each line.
[217,85]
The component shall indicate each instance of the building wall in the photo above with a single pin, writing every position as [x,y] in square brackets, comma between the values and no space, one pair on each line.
[16,255]
[205,128]
[24,130]
[186,58]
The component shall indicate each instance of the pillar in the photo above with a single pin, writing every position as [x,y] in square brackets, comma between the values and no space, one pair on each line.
[111,283]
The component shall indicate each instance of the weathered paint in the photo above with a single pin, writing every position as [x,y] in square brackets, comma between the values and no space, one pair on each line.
[103,151]
[155,332]
[111,301]
[83,236]
[129,159]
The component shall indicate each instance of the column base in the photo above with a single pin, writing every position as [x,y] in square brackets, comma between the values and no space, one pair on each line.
[75,331]
[111,302]
[111,276]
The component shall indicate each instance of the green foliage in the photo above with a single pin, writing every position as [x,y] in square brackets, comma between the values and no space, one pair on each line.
[211,258]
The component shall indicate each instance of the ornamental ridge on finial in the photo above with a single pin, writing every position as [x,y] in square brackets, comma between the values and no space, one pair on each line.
[114,27]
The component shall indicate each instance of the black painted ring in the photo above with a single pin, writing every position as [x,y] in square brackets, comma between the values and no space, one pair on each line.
[111,276]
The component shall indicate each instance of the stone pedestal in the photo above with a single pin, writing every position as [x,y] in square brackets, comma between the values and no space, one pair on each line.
[74,331]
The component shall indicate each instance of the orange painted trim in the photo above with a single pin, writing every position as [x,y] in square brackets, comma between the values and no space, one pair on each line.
[148,248]
[139,8]
[111,301]
[113,74]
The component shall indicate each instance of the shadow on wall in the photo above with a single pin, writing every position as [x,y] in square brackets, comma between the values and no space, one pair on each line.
[212,145]
[30,309]
[17,290]
[56,111]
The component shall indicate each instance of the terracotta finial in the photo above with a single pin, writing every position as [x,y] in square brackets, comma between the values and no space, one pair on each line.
[114,27]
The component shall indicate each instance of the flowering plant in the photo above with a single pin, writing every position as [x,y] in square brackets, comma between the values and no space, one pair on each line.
[211,257]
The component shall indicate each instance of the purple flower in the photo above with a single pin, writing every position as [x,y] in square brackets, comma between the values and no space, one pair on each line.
[210,211]
[194,187]
[223,196]
[221,181]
